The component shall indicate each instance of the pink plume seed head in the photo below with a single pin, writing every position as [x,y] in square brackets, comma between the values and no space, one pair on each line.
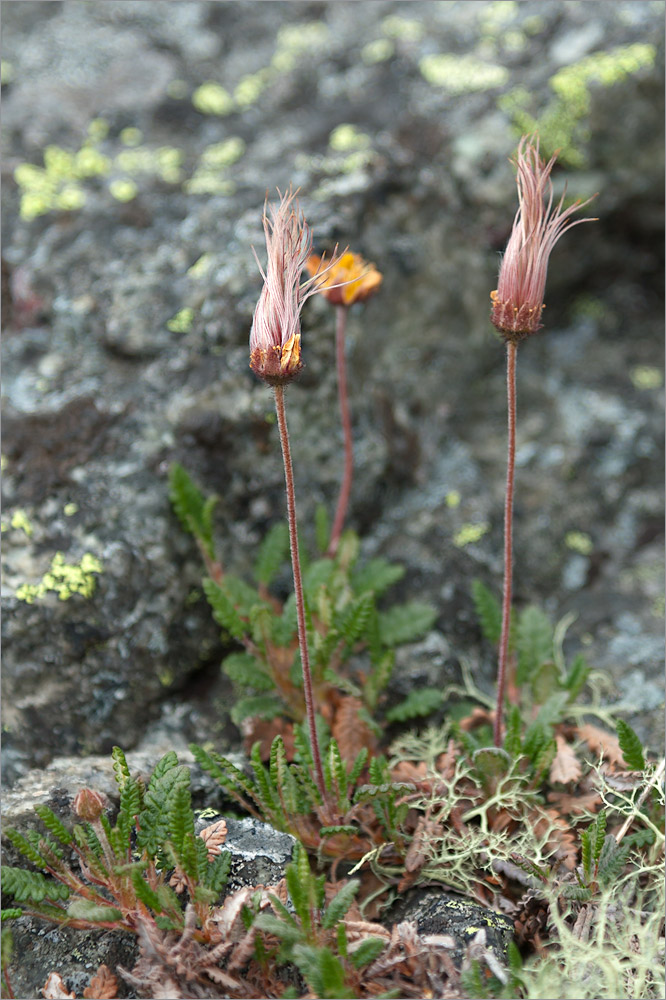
[517,303]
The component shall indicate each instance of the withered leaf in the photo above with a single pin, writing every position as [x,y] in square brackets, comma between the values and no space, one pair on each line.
[103,985]
[566,766]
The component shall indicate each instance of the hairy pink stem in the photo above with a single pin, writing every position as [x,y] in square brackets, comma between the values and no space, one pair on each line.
[345,489]
[298,588]
[511,349]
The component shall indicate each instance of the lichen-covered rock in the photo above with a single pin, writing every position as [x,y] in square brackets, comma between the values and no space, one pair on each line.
[142,149]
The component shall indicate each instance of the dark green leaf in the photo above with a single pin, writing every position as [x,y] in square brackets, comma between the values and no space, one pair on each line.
[273,552]
[417,703]
[224,611]
[576,677]
[534,642]
[406,622]
[339,905]
[630,745]
[193,511]
[488,611]
[368,950]
[85,909]
[246,671]
[377,575]
[322,527]
[263,706]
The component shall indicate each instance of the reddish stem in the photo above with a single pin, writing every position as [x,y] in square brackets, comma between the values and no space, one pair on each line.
[298,588]
[511,350]
[345,489]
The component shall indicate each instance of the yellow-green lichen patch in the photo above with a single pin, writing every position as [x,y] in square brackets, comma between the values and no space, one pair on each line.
[377,51]
[50,187]
[21,522]
[470,533]
[182,321]
[345,138]
[462,74]
[164,162]
[561,124]
[6,71]
[201,267]
[452,499]
[123,189]
[209,176]
[250,87]
[212,99]
[646,377]
[131,136]
[70,509]
[64,579]
[165,677]
[294,39]
[579,541]
[98,129]
[406,28]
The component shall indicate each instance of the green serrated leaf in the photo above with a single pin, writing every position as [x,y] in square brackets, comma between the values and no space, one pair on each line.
[512,740]
[488,611]
[492,762]
[576,677]
[85,909]
[224,611]
[630,745]
[246,671]
[353,620]
[545,681]
[322,970]
[406,622]
[369,949]
[53,824]
[417,703]
[273,553]
[192,509]
[261,706]
[377,575]
[534,642]
[31,887]
[322,527]
[339,905]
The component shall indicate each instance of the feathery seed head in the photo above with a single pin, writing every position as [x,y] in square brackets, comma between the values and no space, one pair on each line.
[275,338]
[538,225]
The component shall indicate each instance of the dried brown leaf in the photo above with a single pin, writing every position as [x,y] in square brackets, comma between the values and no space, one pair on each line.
[576,804]
[103,985]
[350,731]
[602,743]
[214,836]
[55,989]
[566,766]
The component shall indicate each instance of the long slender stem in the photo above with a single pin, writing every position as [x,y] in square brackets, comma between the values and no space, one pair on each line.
[345,489]
[511,350]
[298,589]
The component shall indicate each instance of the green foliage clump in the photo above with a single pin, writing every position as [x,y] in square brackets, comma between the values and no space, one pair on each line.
[344,622]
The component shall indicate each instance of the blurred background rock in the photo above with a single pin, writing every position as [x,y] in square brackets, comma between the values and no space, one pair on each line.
[140,139]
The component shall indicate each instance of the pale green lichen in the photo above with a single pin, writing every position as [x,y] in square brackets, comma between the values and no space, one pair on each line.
[212,99]
[182,321]
[345,138]
[470,533]
[462,74]
[209,177]
[294,39]
[377,51]
[201,266]
[70,509]
[406,28]
[646,377]
[562,123]
[6,71]
[21,522]
[579,541]
[250,87]
[131,136]
[64,579]
[123,189]
[452,499]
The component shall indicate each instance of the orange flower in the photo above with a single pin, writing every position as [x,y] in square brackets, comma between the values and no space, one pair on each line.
[350,280]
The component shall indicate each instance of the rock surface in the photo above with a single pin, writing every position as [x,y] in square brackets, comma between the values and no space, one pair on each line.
[139,148]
